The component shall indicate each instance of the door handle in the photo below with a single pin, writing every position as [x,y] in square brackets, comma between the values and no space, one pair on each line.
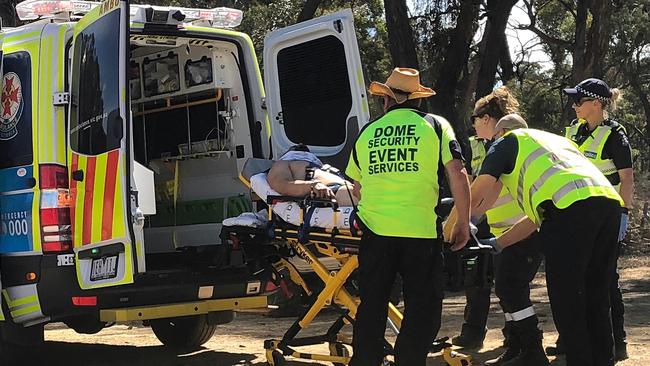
[78,175]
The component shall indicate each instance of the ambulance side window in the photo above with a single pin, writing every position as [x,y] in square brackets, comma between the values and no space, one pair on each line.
[95,123]
[315,91]
[16,148]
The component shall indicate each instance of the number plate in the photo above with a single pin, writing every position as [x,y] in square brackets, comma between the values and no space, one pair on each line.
[103,268]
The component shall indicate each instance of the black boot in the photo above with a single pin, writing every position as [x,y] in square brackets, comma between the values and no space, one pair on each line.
[620,351]
[511,344]
[532,353]
[469,338]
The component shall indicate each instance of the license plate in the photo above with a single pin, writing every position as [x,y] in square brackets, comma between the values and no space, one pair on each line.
[103,268]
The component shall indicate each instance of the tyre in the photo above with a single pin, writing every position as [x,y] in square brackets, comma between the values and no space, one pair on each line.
[84,324]
[187,333]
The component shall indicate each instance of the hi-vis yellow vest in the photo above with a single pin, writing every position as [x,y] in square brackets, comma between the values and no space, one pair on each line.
[478,154]
[593,146]
[504,213]
[550,168]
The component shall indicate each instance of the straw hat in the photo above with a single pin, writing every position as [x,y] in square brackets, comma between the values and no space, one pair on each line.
[403,81]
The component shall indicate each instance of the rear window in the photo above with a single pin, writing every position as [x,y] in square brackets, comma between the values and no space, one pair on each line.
[95,123]
[16,112]
[315,91]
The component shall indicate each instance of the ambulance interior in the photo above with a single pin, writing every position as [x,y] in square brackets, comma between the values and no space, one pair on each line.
[190,129]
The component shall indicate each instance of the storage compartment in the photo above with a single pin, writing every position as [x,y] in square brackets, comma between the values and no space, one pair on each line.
[190,136]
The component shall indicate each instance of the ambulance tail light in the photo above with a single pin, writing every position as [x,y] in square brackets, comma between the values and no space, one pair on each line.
[56,232]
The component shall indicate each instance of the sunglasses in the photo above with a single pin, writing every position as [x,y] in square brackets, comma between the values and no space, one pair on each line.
[473,117]
[580,102]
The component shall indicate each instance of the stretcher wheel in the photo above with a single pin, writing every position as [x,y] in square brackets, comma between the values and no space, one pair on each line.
[278,359]
[338,349]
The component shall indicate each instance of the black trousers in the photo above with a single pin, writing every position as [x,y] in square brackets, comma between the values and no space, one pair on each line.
[579,245]
[477,306]
[618,307]
[517,268]
[419,262]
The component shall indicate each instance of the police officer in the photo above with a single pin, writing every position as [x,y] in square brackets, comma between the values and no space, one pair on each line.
[397,163]
[604,142]
[577,212]
[487,111]
[516,268]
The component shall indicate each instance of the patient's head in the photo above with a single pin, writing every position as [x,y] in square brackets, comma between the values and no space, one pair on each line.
[299,147]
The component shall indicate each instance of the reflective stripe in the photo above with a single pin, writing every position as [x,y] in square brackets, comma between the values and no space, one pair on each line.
[507,223]
[524,167]
[600,136]
[607,167]
[548,173]
[520,315]
[577,184]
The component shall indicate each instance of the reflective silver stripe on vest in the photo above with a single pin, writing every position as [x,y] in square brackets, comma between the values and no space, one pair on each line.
[503,200]
[507,223]
[548,173]
[603,131]
[607,167]
[524,167]
[577,184]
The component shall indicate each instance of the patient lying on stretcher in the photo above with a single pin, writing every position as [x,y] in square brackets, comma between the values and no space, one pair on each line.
[298,173]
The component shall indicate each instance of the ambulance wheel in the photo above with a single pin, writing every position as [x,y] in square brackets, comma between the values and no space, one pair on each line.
[338,349]
[186,333]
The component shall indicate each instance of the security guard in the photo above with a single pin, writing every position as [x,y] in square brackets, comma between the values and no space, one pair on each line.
[577,212]
[398,163]
[604,142]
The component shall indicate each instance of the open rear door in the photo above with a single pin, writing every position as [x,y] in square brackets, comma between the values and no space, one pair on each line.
[99,158]
[2,316]
[314,86]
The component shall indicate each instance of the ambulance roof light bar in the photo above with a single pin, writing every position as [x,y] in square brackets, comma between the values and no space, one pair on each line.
[217,17]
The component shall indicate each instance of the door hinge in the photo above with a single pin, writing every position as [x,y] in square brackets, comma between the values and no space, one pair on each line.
[60,99]
[338,25]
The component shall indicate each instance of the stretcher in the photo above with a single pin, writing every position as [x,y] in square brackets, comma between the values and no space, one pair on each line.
[290,232]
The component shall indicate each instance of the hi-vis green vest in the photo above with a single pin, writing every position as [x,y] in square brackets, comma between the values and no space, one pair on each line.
[478,154]
[504,213]
[399,160]
[550,168]
[594,145]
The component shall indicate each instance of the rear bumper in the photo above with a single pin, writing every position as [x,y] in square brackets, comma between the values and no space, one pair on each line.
[181,309]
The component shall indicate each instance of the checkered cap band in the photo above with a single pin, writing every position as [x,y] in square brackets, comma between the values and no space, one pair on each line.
[591,95]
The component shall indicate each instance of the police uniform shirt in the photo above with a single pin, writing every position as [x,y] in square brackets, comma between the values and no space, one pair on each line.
[617,147]
[501,157]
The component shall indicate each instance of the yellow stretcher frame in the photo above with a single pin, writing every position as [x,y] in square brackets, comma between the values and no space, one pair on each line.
[334,293]
[181,309]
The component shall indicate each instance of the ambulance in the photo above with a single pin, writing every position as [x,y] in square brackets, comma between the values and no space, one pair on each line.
[123,129]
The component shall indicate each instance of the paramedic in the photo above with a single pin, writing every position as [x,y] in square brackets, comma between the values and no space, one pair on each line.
[577,213]
[487,111]
[397,164]
[299,173]
[604,142]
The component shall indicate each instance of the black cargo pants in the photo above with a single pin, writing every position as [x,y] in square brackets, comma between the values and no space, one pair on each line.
[419,262]
[579,245]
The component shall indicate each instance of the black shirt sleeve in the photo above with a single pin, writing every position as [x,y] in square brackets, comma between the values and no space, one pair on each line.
[456,151]
[501,157]
[617,147]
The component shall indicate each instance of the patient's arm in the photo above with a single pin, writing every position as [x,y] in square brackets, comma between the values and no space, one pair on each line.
[283,181]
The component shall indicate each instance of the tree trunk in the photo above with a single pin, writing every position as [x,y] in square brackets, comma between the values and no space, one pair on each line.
[598,37]
[308,10]
[447,82]
[400,34]
[578,71]
[505,60]
[498,12]
[8,13]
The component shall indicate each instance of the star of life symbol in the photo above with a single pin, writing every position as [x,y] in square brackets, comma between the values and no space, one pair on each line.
[11,106]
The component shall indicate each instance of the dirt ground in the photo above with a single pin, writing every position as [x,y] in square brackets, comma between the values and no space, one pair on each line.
[241,342]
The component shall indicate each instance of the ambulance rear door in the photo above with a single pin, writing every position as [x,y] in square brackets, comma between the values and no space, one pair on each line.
[100,157]
[315,90]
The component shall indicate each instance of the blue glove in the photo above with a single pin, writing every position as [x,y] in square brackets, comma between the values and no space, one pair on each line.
[622,229]
[493,243]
